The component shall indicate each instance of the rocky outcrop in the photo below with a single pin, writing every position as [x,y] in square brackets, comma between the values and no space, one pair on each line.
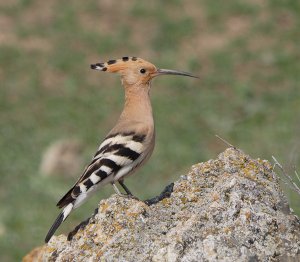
[228,209]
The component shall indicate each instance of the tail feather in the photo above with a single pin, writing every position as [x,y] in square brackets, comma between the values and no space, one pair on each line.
[61,217]
[66,199]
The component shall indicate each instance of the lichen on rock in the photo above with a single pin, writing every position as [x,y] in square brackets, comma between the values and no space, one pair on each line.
[228,209]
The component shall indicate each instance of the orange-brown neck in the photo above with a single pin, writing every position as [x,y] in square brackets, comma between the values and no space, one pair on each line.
[137,105]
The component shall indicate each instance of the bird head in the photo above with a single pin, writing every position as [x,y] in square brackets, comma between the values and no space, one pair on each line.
[135,71]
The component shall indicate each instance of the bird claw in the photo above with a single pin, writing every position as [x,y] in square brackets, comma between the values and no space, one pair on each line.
[133,197]
[129,196]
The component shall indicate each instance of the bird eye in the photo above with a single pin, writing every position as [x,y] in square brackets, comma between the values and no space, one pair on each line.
[143,71]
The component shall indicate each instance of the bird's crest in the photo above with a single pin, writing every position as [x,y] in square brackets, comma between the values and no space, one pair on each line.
[115,65]
[145,68]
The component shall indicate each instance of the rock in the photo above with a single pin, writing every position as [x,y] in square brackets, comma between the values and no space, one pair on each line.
[228,209]
[63,157]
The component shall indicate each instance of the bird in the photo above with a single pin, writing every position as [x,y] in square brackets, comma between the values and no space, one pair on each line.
[130,142]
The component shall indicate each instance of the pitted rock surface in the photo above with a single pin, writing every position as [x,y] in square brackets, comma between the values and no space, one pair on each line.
[227,209]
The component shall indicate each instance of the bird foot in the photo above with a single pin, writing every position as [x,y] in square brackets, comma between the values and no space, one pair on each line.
[129,196]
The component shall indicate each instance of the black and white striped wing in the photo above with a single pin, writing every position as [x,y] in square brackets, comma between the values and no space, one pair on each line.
[116,156]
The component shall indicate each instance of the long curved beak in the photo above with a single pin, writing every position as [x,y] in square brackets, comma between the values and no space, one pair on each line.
[172,72]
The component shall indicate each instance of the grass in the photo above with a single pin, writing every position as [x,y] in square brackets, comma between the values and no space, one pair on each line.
[247,54]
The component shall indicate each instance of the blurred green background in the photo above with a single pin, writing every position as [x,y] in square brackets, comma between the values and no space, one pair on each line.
[246,52]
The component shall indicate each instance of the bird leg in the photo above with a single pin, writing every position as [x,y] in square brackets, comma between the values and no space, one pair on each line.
[117,190]
[125,187]
[128,193]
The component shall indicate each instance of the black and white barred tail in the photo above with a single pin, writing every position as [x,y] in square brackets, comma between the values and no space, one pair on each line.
[61,218]
[117,156]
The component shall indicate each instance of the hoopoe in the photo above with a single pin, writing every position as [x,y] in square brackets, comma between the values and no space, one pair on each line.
[128,145]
